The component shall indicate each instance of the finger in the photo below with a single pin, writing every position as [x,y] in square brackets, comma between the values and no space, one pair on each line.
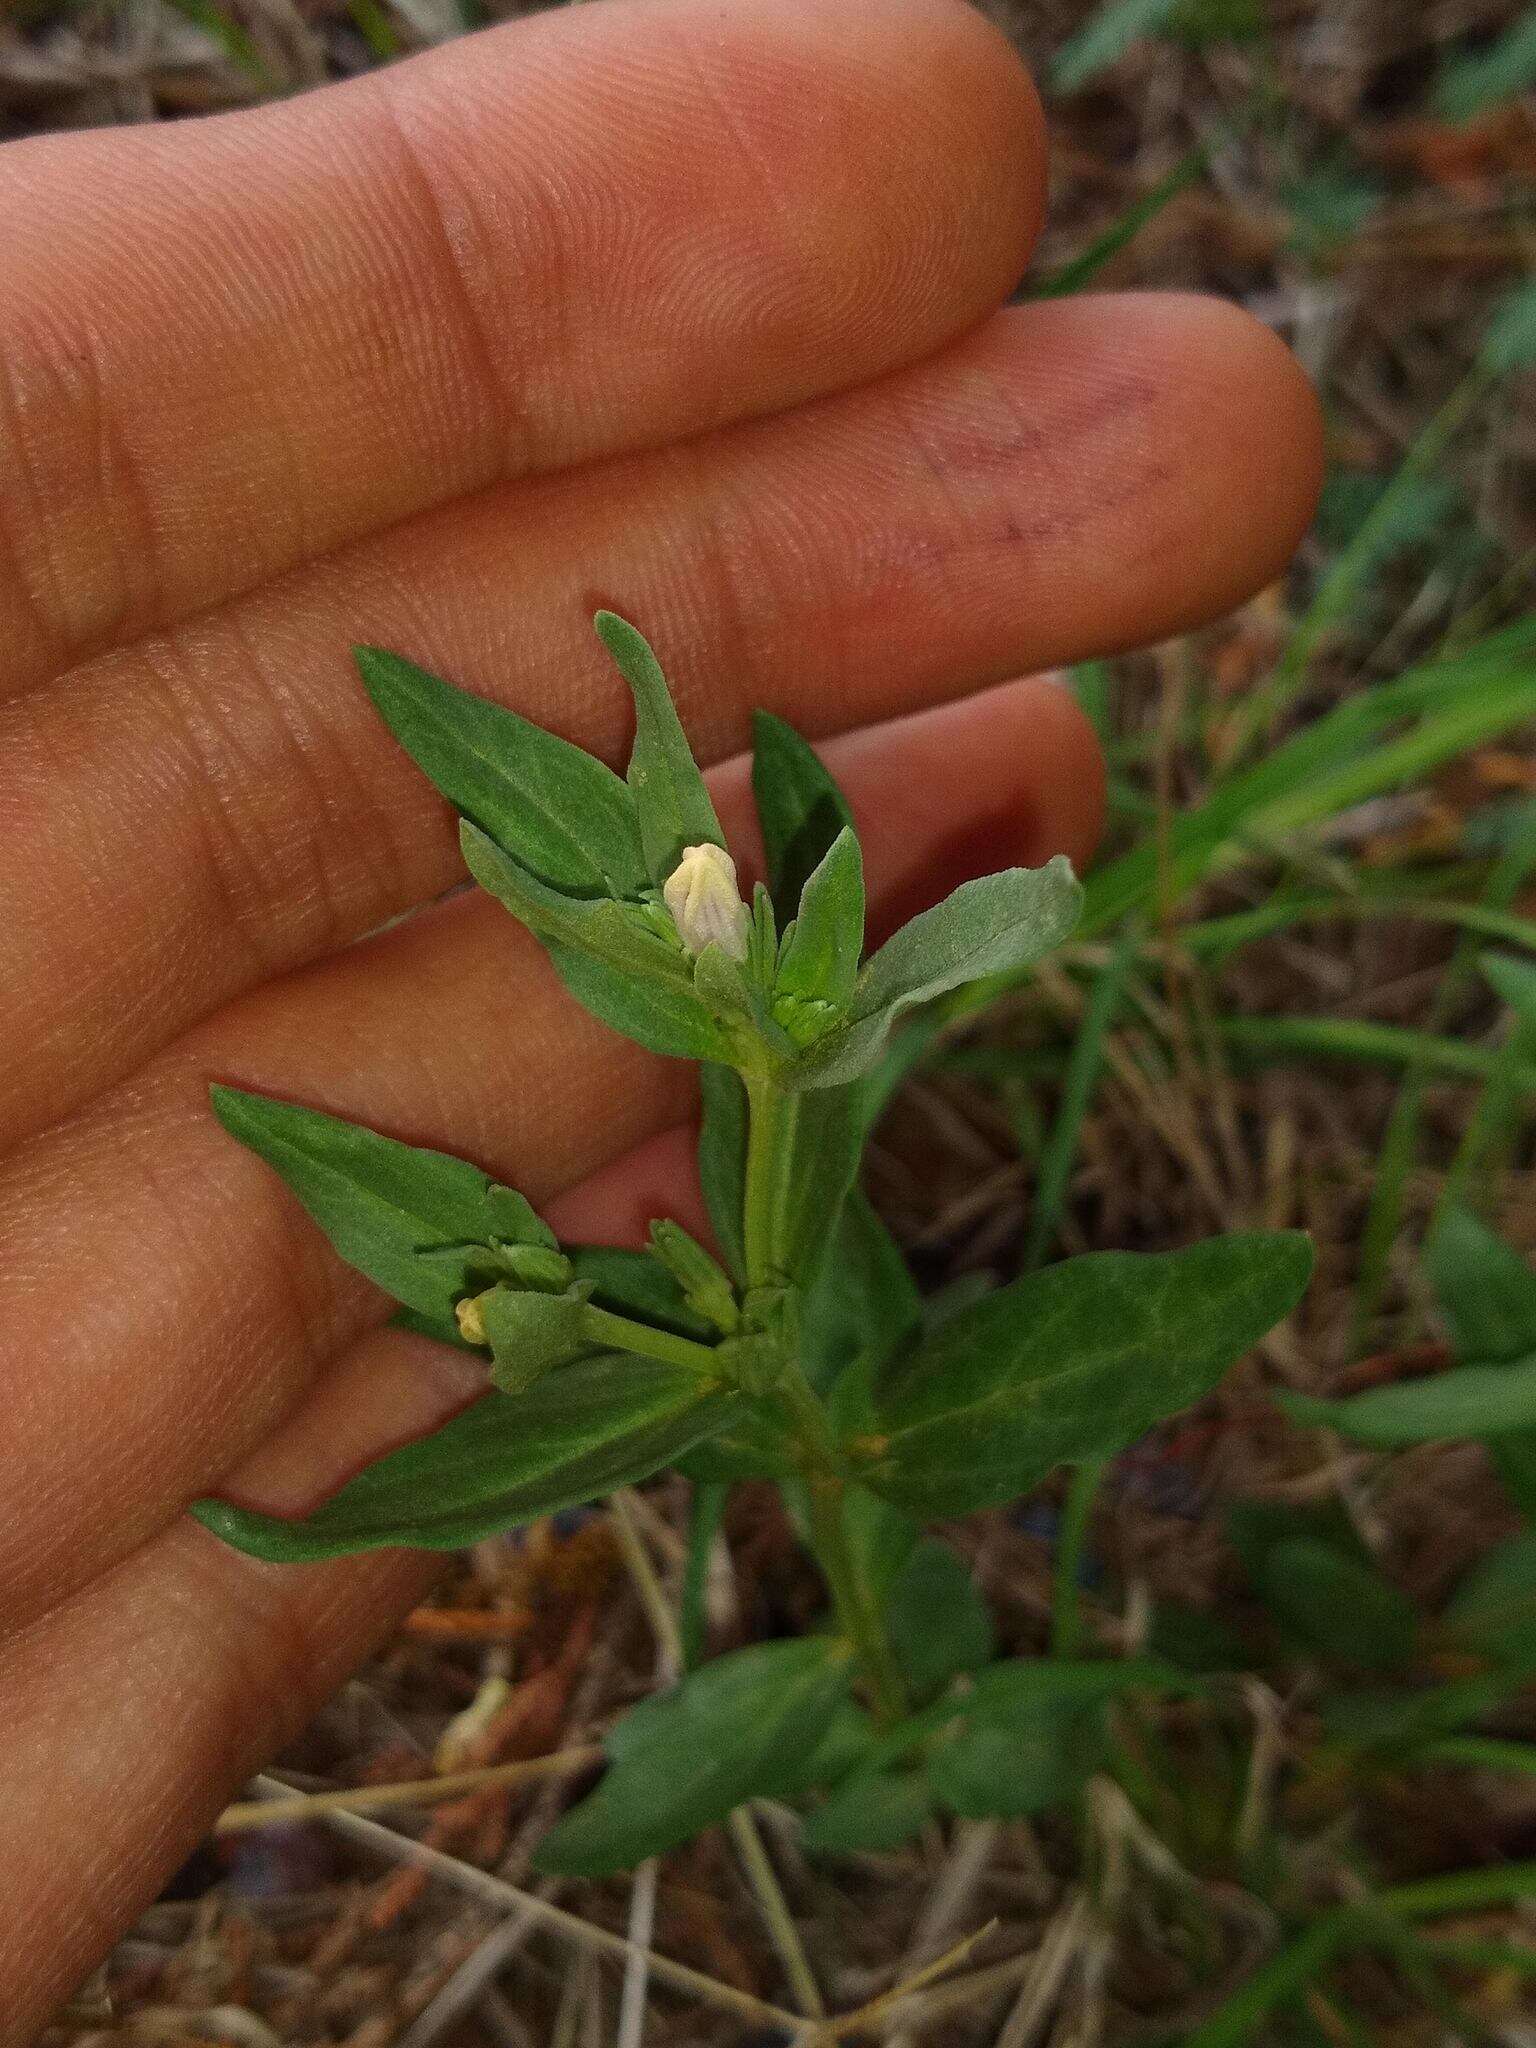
[594,230]
[131,1716]
[169,1298]
[224,804]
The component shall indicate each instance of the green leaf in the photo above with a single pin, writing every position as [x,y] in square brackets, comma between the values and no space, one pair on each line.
[682,1761]
[1493,1610]
[825,1146]
[554,809]
[995,924]
[673,805]
[799,806]
[1486,1291]
[532,1333]
[1337,1605]
[723,1158]
[846,1740]
[1104,38]
[631,1283]
[870,1813]
[938,1622]
[603,1422]
[819,959]
[664,1018]
[1474,1401]
[614,958]
[1476,79]
[1007,1765]
[1510,343]
[865,1299]
[1072,1362]
[381,1203]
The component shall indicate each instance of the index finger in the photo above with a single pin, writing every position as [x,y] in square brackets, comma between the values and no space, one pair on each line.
[227,346]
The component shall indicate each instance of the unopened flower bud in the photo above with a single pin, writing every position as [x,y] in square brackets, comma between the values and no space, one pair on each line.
[706,904]
[471,1321]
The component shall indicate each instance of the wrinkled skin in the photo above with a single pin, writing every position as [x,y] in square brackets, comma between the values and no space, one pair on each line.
[693,311]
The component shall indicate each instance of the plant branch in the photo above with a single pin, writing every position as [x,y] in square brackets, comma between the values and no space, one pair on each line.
[623,1333]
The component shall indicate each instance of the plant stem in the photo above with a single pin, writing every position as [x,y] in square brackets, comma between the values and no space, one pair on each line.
[1067,1604]
[768,1119]
[623,1334]
[856,1616]
[770,1131]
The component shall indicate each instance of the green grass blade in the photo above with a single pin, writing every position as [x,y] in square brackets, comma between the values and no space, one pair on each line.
[1081,1078]
[1083,268]
[1103,38]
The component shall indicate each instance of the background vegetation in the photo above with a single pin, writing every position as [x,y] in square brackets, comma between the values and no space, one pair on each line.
[1304,996]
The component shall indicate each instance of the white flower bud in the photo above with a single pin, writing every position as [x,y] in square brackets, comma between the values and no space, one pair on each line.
[706,904]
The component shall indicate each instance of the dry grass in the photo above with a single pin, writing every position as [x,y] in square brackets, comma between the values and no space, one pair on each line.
[1377,237]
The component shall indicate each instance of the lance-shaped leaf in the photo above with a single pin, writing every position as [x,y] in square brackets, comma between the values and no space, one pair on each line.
[996,924]
[938,1622]
[723,1157]
[681,1761]
[674,806]
[558,812]
[825,1144]
[819,959]
[865,1299]
[871,1812]
[1486,1291]
[799,806]
[603,1422]
[1335,1604]
[529,1334]
[1071,1362]
[382,1203]
[1471,1401]
[632,1283]
[611,956]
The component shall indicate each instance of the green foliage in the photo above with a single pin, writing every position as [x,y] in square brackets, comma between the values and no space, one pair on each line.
[799,806]
[602,1422]
[997,924]
[1474,80]
[1104,38]
[548,806]
[938,1622]
[671,802]
[383,1204]
[1473,1401]
[804,1353]
[1486,1291]
[680,1761]
[1072,1361]
[819,958]
[1337,1605]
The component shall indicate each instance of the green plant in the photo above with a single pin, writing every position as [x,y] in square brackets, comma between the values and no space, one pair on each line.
[797,1349]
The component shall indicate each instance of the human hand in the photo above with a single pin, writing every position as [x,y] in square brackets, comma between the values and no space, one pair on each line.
[688,312]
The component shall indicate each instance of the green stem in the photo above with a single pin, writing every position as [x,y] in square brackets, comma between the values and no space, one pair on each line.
[623,1334]
[770,1135]
[1067,1602]
[769,1115]
[856,1616]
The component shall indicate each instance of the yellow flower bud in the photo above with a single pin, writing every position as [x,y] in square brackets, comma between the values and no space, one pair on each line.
[471,1321]
[706,904]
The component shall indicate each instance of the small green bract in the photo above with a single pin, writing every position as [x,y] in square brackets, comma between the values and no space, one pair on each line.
[797,1348]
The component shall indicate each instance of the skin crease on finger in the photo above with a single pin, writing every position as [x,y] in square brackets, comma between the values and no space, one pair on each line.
[1071,478]
[595,230]
[210,1301]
